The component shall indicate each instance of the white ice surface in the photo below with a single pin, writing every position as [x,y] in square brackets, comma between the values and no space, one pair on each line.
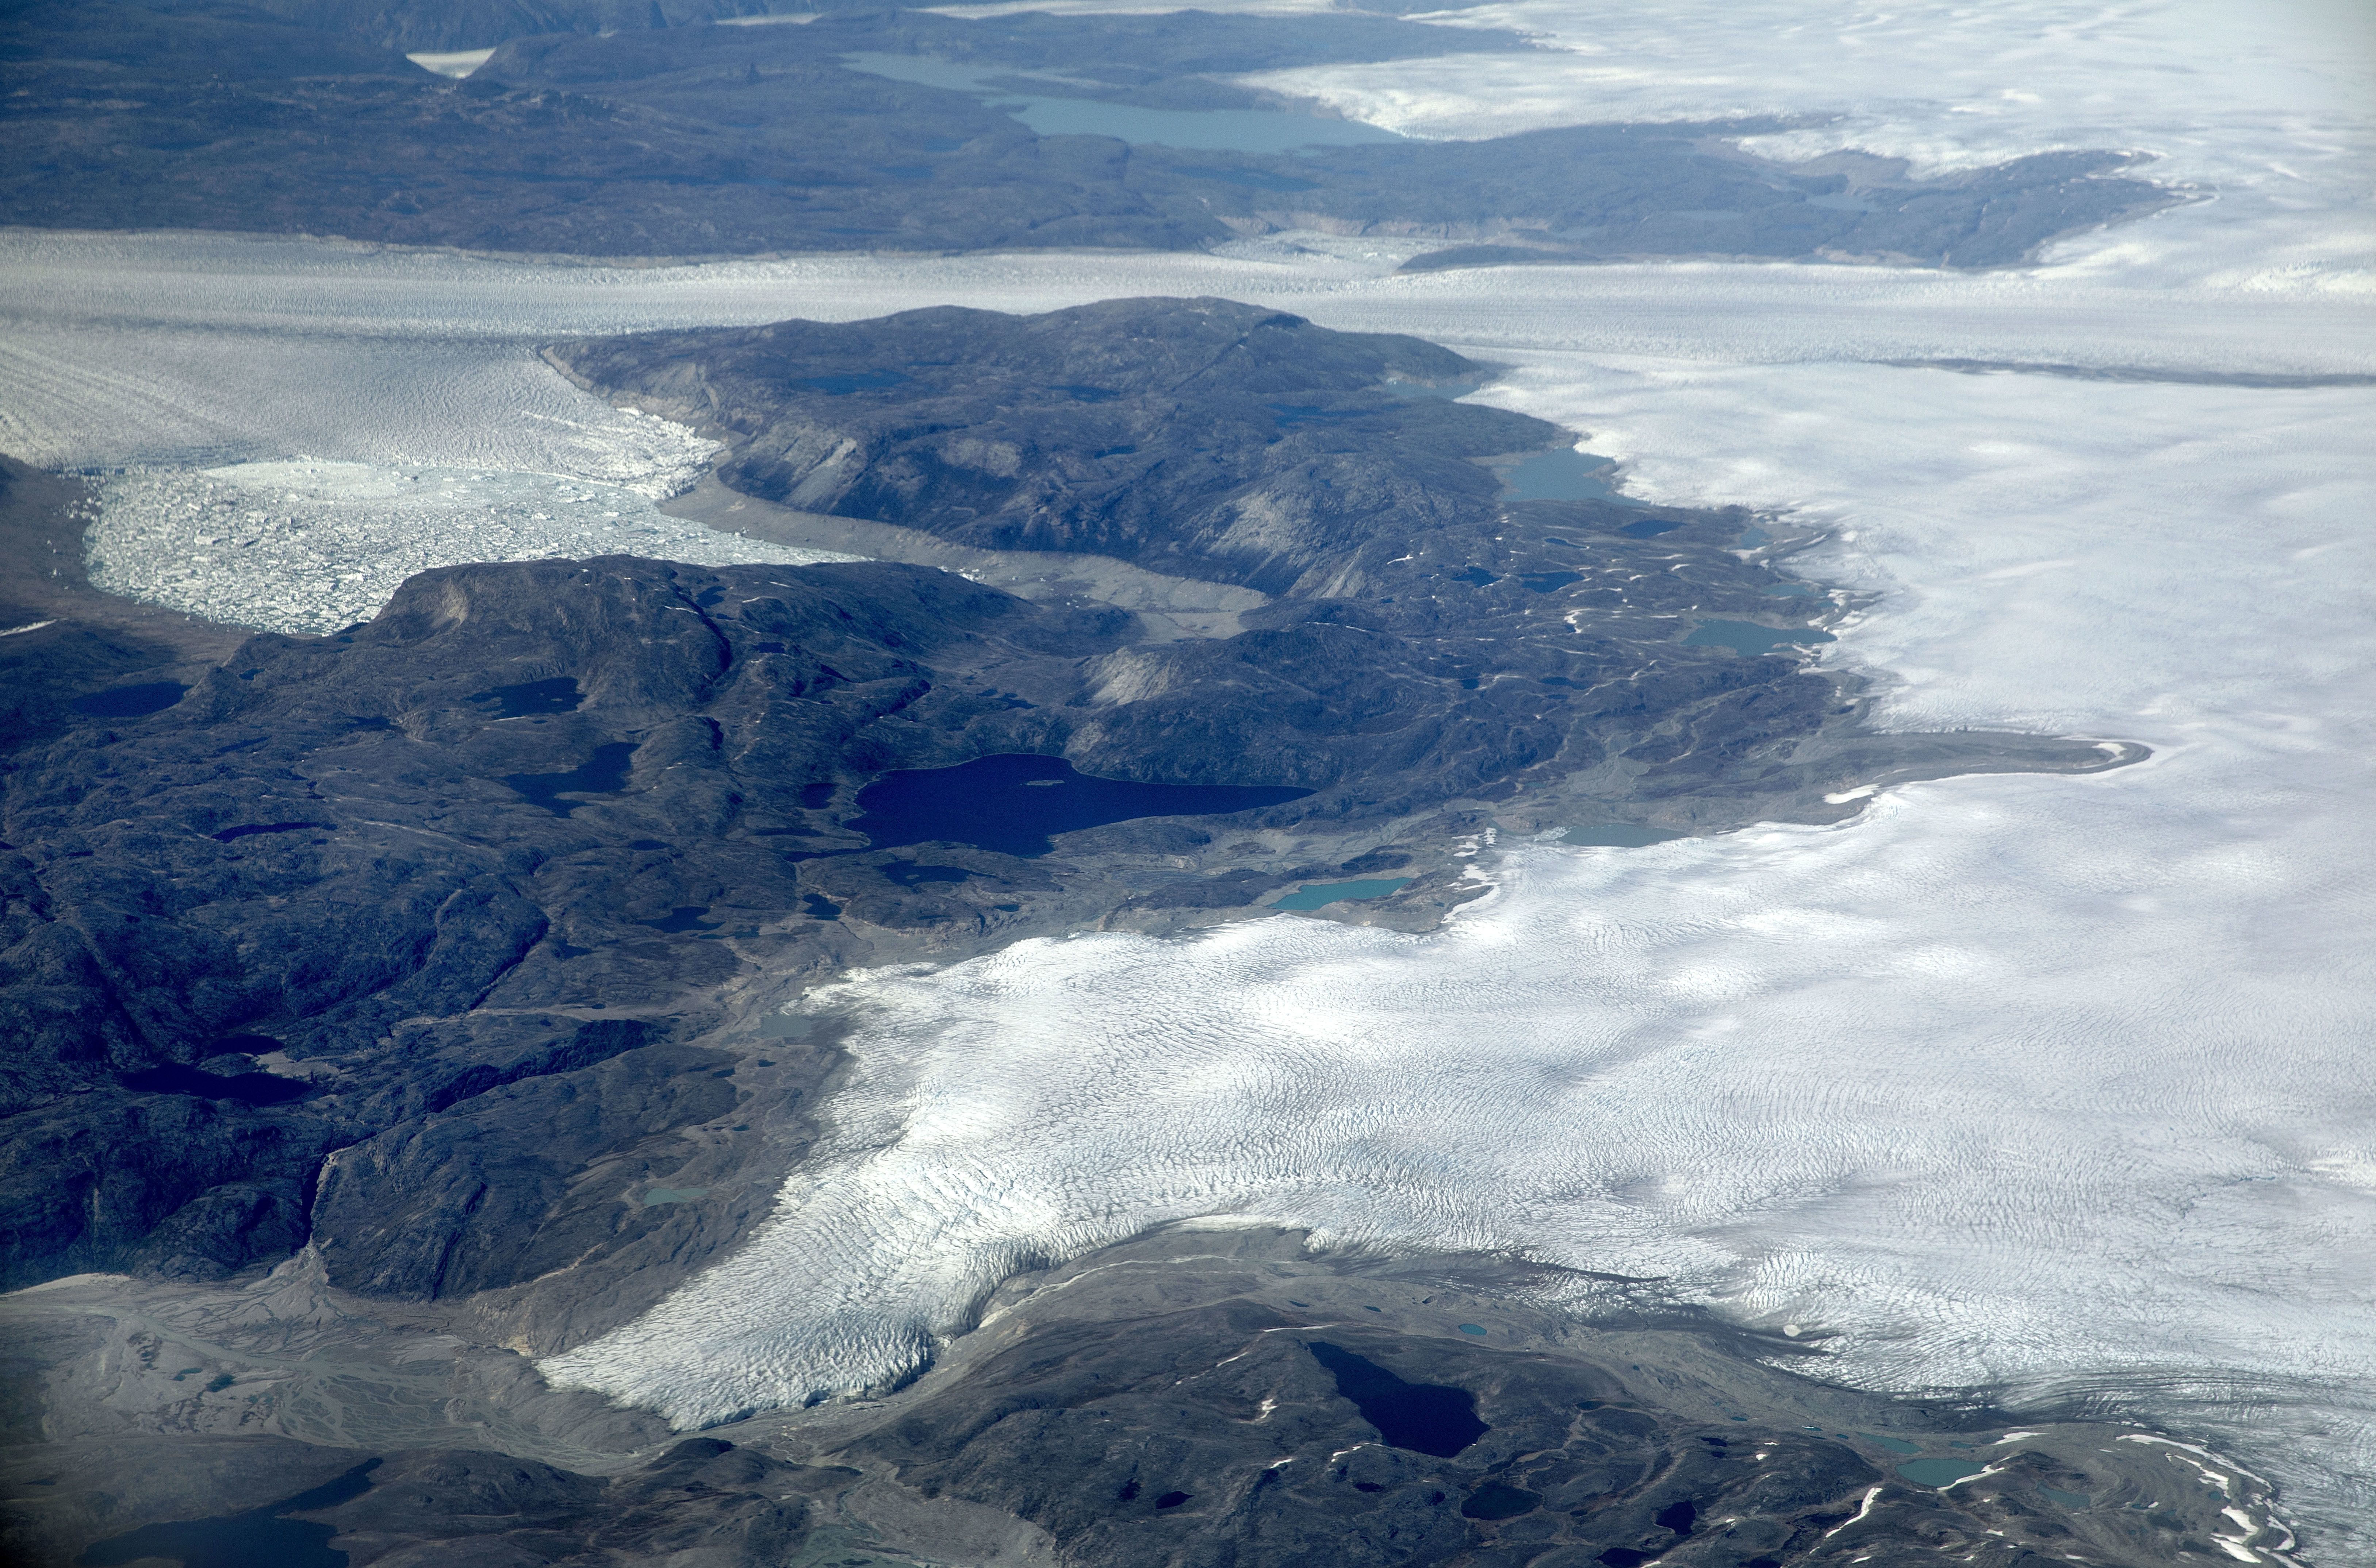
[2033,1083]
[381,420]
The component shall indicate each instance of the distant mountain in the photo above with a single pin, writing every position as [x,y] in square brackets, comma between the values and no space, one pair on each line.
[430,25]
[704,140]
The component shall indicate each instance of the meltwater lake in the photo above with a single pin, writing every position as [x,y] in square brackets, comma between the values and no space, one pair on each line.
[1564,475]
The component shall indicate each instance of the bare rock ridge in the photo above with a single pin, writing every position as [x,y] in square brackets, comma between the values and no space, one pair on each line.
[696,140]
[1202,438]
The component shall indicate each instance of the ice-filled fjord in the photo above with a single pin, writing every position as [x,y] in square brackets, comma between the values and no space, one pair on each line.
[436,446]
[2046,1087]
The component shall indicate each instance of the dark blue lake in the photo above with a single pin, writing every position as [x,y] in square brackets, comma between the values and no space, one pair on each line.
[130,702]
[1426,1418]
[253,1540]
[603,774]
[247,1088]
[559,694]
[1013,805]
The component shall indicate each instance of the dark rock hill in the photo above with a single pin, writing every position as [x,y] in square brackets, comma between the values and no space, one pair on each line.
[1200,437]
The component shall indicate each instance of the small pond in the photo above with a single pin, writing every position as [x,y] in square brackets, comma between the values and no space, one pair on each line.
[1939,1472]
[1564,475]
[1426,1418]
[605,773]
[1748,638]
[1500,1500]
[130,702]
[558,694]
[683,919]
[1317,895]
[244,1088]
[260,1536]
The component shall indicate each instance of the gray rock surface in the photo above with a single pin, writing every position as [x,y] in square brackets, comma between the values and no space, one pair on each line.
[1186,1398]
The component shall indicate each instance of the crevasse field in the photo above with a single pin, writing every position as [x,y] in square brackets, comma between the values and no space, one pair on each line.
[2045,1086]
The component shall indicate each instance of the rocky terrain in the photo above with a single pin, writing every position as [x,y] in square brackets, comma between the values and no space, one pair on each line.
[394,1004]
[1189,1398]
[699,140]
